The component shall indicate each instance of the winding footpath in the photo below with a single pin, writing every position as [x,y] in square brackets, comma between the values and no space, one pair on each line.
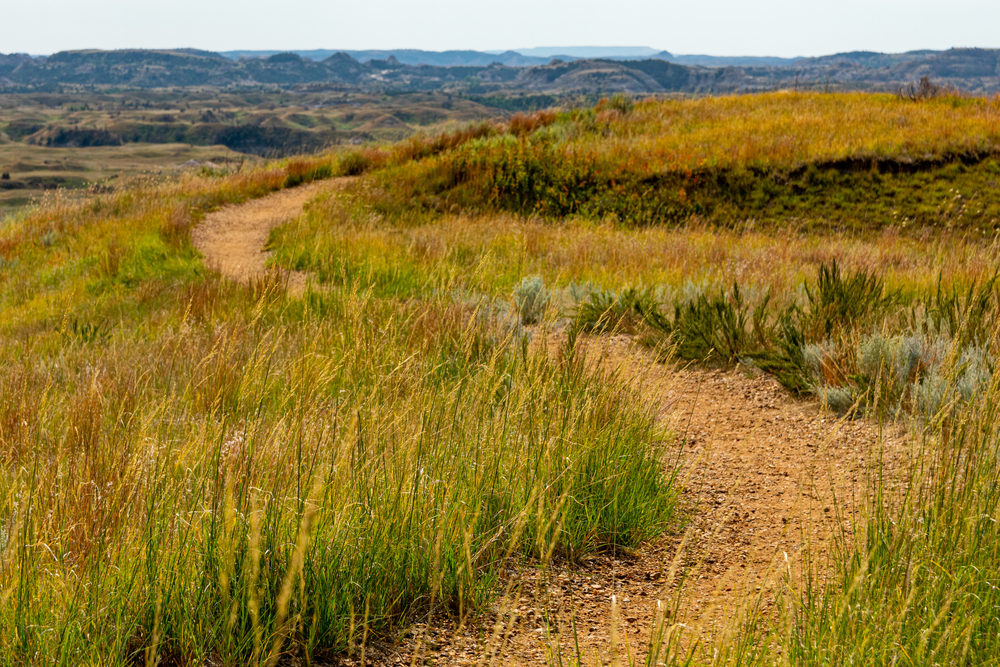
[767,481]
[233,239]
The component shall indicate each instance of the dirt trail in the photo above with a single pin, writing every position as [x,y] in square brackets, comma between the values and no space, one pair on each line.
[233,238]
[767,480]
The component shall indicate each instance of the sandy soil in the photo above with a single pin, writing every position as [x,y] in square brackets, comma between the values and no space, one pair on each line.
[233,238]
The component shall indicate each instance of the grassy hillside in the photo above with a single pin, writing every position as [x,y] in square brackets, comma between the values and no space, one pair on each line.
[204,471]
[836,161]
[199,471]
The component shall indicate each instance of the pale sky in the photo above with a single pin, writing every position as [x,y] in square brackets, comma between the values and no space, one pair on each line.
[716,27]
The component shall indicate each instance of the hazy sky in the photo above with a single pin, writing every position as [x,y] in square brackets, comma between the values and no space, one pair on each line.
[717,27]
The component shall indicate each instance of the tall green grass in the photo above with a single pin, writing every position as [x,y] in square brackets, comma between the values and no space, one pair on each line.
[918,585]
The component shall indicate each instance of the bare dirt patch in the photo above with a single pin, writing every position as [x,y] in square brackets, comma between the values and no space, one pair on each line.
[233,239]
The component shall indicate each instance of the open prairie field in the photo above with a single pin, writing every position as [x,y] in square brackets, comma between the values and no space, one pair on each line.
[669,382]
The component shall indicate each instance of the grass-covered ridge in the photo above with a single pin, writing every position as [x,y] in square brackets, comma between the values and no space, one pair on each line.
[844,161]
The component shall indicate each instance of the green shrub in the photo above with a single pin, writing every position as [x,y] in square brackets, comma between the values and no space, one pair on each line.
[782,353]
[619,102]
[836,301]
[703,327]
[712,327]
[306,171]
[837,399]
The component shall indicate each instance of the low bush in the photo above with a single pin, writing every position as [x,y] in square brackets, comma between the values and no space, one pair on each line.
[836,301]
[354,163]
[531,299]
[823,346]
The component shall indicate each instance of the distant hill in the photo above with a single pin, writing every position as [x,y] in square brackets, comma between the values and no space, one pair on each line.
[589,52]
[511,58]
[728,61]
[410,57]
[477,73]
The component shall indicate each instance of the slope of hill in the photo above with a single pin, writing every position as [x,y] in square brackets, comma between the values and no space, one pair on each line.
[861,158]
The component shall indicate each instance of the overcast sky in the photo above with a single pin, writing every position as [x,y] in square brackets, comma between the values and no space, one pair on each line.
[717,27]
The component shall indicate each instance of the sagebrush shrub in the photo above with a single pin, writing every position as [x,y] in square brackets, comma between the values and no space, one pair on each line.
[837,300]
[531,298]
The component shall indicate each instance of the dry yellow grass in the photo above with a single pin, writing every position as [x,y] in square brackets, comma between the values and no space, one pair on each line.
[492,253]
[787,128]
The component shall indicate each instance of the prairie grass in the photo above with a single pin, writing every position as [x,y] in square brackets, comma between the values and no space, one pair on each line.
[918,585]
[789,128]
[845,161]
[340,238]
[199,472]
[895,327]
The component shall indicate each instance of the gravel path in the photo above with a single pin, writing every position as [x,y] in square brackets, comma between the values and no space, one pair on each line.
[767,482]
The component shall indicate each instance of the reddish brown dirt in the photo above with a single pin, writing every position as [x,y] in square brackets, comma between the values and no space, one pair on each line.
[233,239]
[767,482]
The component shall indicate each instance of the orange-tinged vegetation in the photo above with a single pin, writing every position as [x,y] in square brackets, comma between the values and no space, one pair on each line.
[787,129]
[196,472]
[199,472]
